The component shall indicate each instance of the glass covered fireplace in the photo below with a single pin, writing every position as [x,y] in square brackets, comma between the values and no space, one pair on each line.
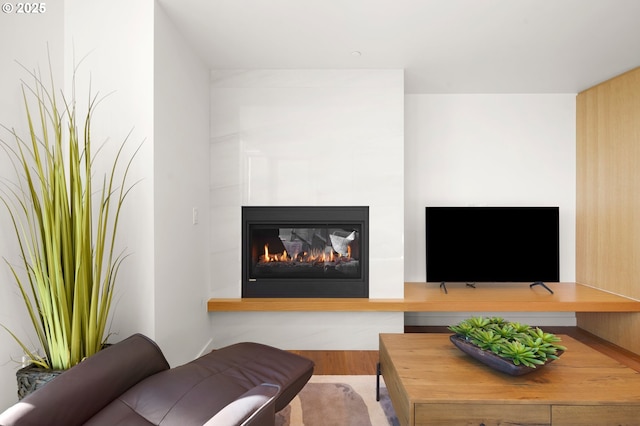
[305,252]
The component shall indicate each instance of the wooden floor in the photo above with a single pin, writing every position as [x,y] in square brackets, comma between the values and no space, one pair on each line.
[364,362]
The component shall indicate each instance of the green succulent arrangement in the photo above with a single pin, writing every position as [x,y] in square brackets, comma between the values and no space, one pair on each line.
[520,343]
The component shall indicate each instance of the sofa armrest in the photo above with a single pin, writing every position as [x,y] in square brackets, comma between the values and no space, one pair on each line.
[80,392]
[254,407]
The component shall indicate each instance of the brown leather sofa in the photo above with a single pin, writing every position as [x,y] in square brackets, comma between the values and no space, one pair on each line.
[130,383]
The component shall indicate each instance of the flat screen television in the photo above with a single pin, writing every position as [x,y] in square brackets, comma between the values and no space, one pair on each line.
[492,244]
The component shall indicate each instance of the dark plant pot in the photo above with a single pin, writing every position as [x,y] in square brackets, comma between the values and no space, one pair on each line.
[31,378]
[492,360]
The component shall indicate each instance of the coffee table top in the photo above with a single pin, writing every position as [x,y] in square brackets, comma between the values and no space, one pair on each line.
[432,370]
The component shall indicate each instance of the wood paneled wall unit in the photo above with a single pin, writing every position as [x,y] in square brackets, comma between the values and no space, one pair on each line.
[608,202]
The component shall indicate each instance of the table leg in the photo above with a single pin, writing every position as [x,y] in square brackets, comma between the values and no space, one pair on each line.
[378,381]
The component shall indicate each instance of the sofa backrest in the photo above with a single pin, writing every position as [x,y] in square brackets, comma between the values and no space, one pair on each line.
[77,394]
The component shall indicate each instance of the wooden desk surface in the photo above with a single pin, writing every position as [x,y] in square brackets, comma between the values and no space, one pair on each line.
[427,370]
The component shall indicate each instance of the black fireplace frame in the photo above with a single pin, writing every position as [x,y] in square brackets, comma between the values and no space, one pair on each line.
[306,287]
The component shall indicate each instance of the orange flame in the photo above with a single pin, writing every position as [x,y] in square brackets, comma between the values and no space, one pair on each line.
[315,256]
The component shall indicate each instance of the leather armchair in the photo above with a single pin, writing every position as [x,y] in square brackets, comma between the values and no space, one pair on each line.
[131,383]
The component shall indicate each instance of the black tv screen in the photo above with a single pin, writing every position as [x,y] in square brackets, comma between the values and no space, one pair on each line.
[492,244]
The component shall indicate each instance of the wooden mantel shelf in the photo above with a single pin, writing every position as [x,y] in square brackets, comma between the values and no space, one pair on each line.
[428,297]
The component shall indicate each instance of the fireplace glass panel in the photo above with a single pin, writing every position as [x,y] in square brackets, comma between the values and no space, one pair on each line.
[311,251]
[305,251]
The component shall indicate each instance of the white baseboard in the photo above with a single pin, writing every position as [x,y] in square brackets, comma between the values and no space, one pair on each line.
[205,349]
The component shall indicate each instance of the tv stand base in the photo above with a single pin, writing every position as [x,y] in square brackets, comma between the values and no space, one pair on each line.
[443,286]
[542,284]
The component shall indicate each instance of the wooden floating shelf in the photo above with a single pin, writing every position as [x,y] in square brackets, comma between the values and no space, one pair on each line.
[429,297]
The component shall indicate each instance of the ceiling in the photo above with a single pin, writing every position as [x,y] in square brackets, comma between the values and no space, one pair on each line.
[444,46]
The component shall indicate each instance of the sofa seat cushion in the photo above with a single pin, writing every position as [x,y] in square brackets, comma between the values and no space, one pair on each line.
[193,393]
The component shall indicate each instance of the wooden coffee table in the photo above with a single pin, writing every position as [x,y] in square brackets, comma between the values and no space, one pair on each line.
[431,382]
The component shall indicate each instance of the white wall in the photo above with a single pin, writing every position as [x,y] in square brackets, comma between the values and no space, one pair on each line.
[489,150]
[160,90]
[24,39]
[181,163]
[308,137]
[115,38]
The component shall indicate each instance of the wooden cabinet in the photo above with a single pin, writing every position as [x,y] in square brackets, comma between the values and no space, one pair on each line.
[607,201]
[496,415]
[482,414]
[580,415]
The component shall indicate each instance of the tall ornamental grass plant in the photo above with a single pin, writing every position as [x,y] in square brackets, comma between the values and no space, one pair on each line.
[65,220]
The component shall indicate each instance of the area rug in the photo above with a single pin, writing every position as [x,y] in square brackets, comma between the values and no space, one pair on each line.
[337,401]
